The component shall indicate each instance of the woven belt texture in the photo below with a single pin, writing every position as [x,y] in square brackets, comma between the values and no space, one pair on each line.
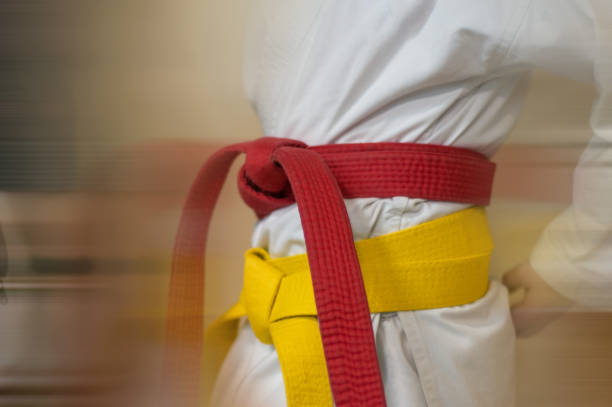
[437,264]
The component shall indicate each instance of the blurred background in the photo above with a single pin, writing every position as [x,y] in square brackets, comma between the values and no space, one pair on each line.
[107,109]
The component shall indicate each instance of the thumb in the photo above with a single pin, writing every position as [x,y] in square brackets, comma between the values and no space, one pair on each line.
[515,278]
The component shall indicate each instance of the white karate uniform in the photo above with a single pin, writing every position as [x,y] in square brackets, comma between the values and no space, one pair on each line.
[439,72]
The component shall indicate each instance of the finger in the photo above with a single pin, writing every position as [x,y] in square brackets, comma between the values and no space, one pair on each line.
[514,279]
[533,314]
[526,318]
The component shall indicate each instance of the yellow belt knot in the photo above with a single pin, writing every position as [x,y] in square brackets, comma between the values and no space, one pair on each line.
[261,284]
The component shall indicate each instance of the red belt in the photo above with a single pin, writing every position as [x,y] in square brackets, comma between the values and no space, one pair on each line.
[279,172]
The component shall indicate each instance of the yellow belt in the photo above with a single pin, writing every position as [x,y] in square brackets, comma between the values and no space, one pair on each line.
[437,264]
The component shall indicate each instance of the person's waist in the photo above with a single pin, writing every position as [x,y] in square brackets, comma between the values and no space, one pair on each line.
[280,233]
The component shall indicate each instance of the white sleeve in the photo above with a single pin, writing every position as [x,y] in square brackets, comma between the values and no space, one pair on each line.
[574,38]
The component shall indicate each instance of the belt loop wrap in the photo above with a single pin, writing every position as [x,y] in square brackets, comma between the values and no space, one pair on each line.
[261,169]
[261,283]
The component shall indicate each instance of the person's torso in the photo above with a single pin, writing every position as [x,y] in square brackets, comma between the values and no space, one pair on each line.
[411,71]
[419,71]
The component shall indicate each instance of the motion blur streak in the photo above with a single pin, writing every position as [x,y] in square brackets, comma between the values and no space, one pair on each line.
[107,109]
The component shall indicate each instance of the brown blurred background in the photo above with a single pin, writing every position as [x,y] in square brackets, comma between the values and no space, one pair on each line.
[107,109]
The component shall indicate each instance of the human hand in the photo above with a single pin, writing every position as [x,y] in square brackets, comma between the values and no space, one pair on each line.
[538,306]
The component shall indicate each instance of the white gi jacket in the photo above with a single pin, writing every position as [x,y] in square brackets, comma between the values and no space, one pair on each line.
[441,72]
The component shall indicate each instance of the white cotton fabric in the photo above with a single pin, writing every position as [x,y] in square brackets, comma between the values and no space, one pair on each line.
[440,72]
